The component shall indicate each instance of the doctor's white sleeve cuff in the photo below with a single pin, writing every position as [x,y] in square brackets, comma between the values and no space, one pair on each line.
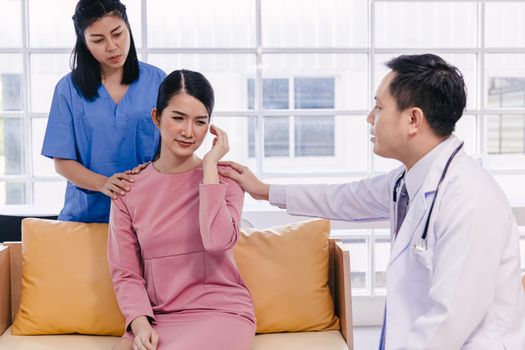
[277,196]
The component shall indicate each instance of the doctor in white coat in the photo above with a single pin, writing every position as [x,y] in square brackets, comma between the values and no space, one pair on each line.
[453,279]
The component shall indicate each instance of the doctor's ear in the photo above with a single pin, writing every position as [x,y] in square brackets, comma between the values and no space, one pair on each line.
[416,119]
[155,116]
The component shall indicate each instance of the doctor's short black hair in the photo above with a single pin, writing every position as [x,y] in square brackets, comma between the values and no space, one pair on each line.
[428,82]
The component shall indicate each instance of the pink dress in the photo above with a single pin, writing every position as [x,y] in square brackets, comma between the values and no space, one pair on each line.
[170,254]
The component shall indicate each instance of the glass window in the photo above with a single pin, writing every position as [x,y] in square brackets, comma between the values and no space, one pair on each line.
[11,23]
[381,258]
[314,23]
[42,166]
[227,74]
[505,133]
[505,80]
[50,23]
[46,71]
[348,73]
[421,24]
[201,23]
[12,193]
[11,146]
[315,136]
[11,82]
[276,137]
[358,263]
[49,194]
[504,26]
[314,93]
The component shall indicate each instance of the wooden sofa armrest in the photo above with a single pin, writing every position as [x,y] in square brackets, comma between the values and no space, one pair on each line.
[343,291]
[5,289]
[15,259]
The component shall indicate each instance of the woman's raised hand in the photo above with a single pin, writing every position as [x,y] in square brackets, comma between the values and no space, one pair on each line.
[220,146]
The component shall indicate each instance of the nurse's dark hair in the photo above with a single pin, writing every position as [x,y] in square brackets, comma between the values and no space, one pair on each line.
[428,82]
[85,68]
[193,83]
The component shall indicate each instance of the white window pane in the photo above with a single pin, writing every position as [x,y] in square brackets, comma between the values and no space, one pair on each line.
[340,144]
[11,148]
[425,24]
[381,258]
[134,12]
[381,164]
[358,262]
[522,250]
[51,28]
[349,73]
[49,194]
[466,131]
[227,73]
[467,64]
[505,134]
[11,82]
[42,166]
[505,80]
[512,185]
[314,23]
[314,136]
[46,71]
[237,130]
[201,23]
[11,23]
[504,25]
[56,29]
[12,193]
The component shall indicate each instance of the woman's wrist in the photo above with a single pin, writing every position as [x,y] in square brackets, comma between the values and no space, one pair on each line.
[139,323]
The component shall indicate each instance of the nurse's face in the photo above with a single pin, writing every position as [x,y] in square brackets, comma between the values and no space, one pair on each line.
[108,40]
[389,127]
[183,125]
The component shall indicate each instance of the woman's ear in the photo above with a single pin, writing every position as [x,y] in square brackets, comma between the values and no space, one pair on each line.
[155,117]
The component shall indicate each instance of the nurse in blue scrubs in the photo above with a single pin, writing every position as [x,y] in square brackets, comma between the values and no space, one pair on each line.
[99,125]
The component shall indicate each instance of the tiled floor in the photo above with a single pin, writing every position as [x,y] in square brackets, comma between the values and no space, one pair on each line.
[366,338]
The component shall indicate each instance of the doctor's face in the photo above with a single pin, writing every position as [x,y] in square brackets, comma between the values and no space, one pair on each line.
[388,124]
[183,125]
[108,40]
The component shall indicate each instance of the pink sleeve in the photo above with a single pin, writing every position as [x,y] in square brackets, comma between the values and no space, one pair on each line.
[125,263]
[220,208]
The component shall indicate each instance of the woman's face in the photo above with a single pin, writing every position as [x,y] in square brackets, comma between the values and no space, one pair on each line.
[108,40]
[183,125]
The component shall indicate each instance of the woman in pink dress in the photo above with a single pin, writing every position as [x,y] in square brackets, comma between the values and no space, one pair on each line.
[171,237]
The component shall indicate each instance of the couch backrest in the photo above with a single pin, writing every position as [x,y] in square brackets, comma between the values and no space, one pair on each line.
[15,263]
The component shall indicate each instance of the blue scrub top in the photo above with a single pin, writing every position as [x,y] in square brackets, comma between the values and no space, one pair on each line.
[104,137]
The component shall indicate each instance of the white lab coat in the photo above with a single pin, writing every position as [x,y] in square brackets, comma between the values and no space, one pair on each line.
[463,291]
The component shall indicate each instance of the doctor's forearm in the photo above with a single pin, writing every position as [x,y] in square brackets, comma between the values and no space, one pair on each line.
[79,175]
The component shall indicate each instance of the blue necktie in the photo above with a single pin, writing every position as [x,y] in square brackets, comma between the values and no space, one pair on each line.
[402,205]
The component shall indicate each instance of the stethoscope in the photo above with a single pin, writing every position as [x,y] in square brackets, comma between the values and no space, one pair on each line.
[421,245]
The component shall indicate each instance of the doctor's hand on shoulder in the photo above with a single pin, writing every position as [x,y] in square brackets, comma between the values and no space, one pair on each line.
[246,179]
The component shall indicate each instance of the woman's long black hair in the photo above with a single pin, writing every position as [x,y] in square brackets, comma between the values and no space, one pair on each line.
[85,68]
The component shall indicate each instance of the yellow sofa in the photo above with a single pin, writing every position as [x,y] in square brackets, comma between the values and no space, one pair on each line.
[339,281]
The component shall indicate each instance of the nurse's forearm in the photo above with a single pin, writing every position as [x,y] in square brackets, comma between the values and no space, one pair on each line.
[79,175]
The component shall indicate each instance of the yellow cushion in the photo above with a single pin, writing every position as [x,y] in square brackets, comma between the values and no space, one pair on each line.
[66,282]
[286,271]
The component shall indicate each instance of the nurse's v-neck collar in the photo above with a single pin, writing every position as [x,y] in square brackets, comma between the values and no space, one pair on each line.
[110,99]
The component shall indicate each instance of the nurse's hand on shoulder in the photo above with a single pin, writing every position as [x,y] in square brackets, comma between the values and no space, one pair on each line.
[246,179]
[117,184]
[219,149]
[138,168]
